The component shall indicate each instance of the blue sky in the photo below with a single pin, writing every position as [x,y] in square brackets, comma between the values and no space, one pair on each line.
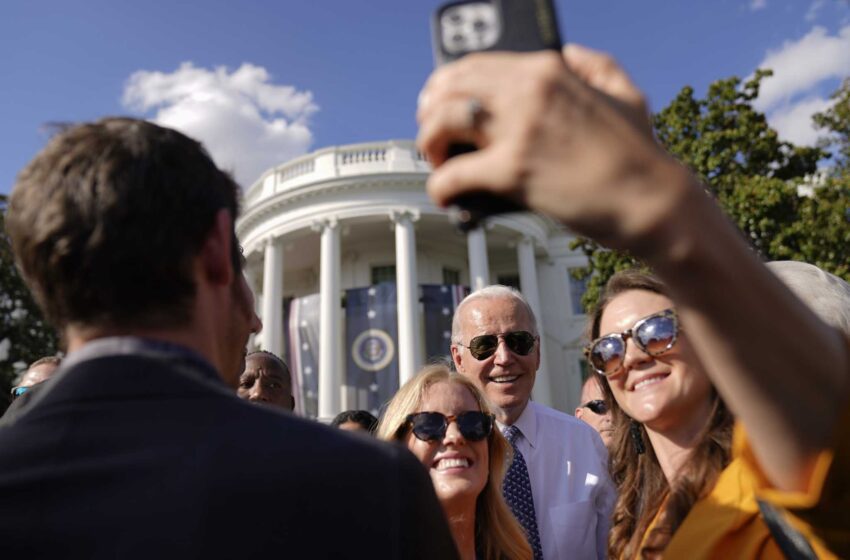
[262,82]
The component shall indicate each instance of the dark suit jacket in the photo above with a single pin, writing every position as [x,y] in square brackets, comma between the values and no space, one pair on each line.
[140,457]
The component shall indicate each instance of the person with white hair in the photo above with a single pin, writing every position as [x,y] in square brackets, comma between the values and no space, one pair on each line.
[826,294]
[564,510]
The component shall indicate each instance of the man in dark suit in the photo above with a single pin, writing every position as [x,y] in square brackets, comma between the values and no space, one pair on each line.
[139,448]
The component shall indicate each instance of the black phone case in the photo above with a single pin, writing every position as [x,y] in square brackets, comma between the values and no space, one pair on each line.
[526,26]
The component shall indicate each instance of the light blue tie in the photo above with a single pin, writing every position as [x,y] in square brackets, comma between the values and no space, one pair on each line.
[517,491]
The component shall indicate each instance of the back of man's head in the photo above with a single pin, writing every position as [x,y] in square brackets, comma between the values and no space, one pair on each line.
[104,223]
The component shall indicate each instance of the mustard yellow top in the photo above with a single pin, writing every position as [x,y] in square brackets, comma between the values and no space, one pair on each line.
[727,524]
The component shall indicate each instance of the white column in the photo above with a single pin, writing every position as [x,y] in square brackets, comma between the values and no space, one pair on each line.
[251,278]
[330,318]
[528,283]
[479,265]
[407,302]
[272,316]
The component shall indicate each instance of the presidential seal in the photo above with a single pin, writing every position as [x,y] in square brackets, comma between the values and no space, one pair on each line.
[373,350]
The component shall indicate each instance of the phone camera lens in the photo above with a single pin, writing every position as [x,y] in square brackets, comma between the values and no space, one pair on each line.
[479,25]
[458,39]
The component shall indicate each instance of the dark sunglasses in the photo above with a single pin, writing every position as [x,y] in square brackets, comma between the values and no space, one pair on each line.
[18,391]
[596,406]
[431,426]
[484,346]
[654,335]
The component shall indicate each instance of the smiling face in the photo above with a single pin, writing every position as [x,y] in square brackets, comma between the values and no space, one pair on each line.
[505,377]
[663,392]
[459,468]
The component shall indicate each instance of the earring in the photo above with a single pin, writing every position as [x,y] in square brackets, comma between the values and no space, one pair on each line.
[637,437]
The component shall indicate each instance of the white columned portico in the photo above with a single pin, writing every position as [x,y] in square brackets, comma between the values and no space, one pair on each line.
[479,265]
[528,283]
[407,302]
[251,279]
[272,316]
[330,319]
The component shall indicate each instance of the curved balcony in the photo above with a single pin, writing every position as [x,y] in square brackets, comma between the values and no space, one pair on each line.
[393,156]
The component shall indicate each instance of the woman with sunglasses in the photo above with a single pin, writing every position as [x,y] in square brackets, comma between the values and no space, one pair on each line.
[446,422]
[672,450]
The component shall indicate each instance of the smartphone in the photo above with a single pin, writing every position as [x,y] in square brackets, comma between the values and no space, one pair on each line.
[465,26]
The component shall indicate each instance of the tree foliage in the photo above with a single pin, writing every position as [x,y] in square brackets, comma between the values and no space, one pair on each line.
[24,335]
[836,122]
[760,181]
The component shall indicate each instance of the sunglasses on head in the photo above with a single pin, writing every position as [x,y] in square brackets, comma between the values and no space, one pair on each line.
[654,335]
[596,406]
[520,343]
[431,426]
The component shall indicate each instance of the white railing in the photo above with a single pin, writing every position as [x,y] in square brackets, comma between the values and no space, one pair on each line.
[394,156]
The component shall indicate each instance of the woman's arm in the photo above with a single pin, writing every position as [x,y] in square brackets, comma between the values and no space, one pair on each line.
[570,137]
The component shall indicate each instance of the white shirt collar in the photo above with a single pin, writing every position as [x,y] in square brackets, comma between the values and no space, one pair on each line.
[527,423]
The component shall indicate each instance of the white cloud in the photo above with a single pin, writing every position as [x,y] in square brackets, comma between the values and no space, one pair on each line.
[814,8]
[756,5]
[245,121]
[800,66]
[793,122]
[793,94]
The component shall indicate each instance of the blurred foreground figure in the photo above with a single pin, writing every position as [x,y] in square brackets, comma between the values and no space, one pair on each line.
[569,136]
[139,447]
[594,411]
[266,380]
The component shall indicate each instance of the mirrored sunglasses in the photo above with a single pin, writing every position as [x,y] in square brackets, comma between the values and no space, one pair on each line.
[654,335]
[432,426]
[520,343]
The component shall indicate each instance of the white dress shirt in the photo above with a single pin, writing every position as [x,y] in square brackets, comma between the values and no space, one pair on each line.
[573,494]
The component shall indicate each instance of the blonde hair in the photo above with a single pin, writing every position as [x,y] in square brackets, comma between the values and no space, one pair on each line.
[498,535]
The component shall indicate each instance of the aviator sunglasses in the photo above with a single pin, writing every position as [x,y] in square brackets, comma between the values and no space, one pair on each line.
[18,391]
[431,426]
[484,346]
[596,406]
[654,335]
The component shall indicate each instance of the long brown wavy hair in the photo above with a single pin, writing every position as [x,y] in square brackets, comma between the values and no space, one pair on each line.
[498,535]
[643,489]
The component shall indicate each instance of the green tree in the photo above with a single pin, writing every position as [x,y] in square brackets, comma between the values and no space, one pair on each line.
[836,122]
[24,335]
[755,177]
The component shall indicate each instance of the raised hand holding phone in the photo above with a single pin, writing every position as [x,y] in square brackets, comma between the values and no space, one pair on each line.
[464,27]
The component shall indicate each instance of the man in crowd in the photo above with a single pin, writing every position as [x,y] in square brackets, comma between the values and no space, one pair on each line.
[557,485]
[30,382]
[139,447]
[266,380]
[38,372]
[593,410]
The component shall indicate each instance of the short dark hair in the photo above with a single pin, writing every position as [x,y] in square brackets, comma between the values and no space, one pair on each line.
[273,357]
[105,220]
[365,419]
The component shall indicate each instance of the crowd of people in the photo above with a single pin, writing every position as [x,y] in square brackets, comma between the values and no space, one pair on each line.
[714,420]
